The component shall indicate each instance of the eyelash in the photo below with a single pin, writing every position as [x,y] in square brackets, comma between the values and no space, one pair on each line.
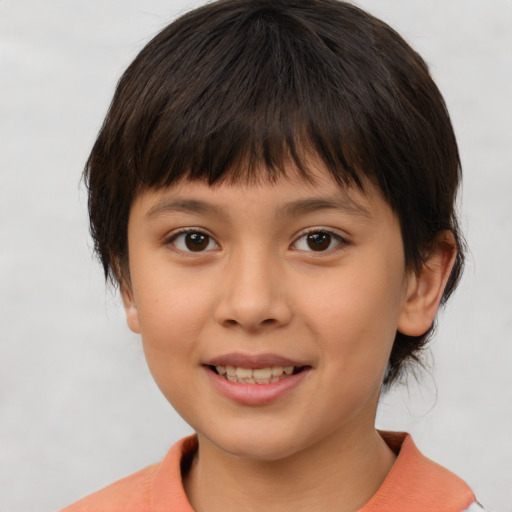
[172,239]
[340,241]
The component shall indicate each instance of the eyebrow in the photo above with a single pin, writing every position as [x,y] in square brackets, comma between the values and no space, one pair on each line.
[344,204]
[294,208]
[182,206]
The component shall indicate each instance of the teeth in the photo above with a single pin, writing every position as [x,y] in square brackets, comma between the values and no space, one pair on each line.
[243,373]
[262,373]
[256,376]
[277,371]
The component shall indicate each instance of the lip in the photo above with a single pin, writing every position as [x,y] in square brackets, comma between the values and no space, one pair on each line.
[253,361]
[255,394]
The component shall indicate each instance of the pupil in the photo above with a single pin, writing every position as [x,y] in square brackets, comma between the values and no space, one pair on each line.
[319,241]
[196,241]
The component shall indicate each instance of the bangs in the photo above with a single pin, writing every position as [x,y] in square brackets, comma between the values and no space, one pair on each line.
[254,95]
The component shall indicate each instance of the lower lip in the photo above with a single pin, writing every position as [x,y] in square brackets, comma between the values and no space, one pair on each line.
[255,394]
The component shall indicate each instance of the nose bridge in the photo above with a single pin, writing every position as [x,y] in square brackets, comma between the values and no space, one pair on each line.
[254,292]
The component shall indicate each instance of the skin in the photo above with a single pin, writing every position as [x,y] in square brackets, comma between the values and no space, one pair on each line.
[258,287]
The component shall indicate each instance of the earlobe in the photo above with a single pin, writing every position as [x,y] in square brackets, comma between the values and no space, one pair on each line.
[425,288]
[130,309]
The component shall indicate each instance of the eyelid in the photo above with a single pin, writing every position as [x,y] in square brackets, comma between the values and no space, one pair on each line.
[342,239]
[171,237]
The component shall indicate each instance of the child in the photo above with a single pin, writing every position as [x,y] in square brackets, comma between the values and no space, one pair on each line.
[273,191]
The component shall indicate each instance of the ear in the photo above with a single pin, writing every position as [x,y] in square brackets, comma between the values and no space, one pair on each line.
[425,288]
[130,308]
[122,275]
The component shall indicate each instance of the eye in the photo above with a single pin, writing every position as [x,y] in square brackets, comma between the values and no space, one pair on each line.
[318,241]
[193,241]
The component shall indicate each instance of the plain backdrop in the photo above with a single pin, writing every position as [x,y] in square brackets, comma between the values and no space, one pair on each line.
[78,408]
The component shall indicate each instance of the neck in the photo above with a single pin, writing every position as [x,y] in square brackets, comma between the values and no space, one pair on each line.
[341,473]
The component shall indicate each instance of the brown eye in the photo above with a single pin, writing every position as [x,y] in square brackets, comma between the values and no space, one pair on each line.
[196,241]
[193,241]
[319,241]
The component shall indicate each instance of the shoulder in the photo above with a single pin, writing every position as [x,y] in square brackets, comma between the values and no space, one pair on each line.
[417,484]
[130,494]
[153,489]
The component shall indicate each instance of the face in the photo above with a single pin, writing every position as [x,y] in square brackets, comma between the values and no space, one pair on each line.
[267,312]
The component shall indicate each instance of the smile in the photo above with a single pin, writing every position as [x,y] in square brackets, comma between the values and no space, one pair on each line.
[255,381]
[266,375]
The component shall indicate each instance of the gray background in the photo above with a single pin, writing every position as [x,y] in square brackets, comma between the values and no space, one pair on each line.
[78,408]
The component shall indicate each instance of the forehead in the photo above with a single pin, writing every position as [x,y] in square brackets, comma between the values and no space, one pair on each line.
[288,195]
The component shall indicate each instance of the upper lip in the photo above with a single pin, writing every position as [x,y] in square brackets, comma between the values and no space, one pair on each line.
[253,361]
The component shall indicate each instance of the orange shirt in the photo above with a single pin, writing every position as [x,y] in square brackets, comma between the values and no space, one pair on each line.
[414,484]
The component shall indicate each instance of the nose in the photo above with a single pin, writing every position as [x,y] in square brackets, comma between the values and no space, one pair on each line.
[252,295]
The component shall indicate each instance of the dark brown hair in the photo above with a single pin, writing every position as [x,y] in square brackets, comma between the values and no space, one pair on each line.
[240,87]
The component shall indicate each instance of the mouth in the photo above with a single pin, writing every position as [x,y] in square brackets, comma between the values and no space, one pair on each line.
[256,379]
[266,375]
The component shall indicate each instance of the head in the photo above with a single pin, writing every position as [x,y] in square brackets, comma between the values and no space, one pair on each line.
[242,91]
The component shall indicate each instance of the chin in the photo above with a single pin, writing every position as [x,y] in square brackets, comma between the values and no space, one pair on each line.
[261,446]
[260,452]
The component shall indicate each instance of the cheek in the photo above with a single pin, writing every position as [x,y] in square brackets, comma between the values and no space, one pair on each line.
[171,320]
[355,314]
[171,313]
